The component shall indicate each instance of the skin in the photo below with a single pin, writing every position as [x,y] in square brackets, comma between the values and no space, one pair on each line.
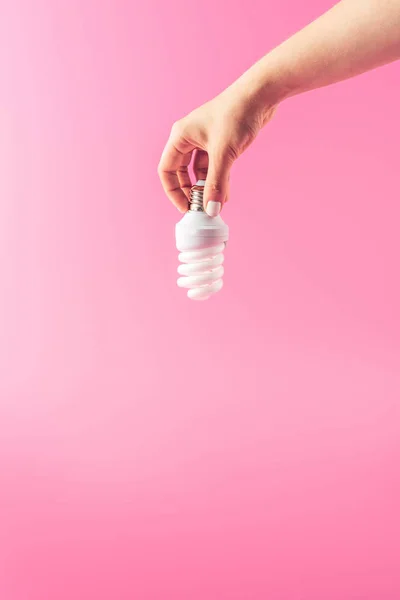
[353,37]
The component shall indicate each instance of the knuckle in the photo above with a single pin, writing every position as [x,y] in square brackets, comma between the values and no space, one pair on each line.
[216,187]
[177,129]
[226,151]
[231,152]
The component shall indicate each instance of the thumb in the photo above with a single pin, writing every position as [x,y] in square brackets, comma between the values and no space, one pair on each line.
[217,182]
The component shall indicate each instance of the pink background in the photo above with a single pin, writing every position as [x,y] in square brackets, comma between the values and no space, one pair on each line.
[151,447]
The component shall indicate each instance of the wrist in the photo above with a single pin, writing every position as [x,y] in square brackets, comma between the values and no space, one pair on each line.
[263,87]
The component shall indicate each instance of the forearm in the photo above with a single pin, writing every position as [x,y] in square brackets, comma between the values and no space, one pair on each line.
[351,38]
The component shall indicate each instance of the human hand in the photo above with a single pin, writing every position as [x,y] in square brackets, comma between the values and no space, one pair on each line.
[214,136]
[347,40]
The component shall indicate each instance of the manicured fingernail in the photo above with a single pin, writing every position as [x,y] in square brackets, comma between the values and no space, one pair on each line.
[213,208]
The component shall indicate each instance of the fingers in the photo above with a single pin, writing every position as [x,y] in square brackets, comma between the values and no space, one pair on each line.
[228,191]
[200,164]
[173,171]
[183,175]
[217,181]
[213,165]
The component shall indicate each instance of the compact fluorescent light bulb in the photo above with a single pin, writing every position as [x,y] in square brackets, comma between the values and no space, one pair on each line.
[201,240]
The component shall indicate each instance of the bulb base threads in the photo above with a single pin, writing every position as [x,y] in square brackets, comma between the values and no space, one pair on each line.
[196,197]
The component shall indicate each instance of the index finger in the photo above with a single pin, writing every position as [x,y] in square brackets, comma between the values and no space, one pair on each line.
[176,154]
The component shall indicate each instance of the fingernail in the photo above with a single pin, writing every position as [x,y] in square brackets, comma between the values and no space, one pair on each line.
[213,208]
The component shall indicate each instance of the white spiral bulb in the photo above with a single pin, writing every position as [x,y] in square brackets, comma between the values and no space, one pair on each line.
[201,240]
[202,271]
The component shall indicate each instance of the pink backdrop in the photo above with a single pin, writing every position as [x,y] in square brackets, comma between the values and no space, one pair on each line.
[158,449]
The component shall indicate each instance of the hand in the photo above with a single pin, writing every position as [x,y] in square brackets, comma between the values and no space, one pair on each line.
[352,37]
[214,135]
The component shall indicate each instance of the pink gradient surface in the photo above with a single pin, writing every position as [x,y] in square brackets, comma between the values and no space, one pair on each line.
[152,448]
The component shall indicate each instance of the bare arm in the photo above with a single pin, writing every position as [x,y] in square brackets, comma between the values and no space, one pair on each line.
[352,37]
